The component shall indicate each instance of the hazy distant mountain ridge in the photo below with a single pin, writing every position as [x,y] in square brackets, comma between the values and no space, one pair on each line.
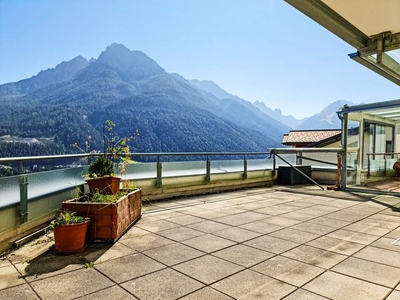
[327,118]
[289,120]
[129,65]
[64,71]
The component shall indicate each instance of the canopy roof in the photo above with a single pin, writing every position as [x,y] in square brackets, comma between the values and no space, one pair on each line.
[372,27]
[386,109]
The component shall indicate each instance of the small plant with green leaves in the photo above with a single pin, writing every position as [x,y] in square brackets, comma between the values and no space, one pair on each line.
[97,197]
[113,148]
[67,218]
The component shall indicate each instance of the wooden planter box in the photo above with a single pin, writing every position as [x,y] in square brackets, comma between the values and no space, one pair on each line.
[104,185]
[108,222]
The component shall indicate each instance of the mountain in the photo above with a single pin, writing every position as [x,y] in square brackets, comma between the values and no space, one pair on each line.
[289,120]
[244,112]
[62,72]
[326,119]
[133,91]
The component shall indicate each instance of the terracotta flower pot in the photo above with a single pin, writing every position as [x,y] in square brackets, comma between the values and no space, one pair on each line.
[70,239]
[104,185]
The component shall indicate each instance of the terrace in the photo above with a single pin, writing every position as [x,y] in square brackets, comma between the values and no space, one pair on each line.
[261,243]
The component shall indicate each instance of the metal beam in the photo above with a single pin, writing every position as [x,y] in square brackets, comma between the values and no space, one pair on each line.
[384,42]
[380,69]
[331,20]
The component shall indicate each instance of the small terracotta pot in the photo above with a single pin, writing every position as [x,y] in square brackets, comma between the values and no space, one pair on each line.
[70,239]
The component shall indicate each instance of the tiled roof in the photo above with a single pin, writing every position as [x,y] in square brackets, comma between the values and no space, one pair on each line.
[308,136]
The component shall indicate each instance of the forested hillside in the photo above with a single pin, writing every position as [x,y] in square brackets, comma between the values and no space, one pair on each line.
[130,89]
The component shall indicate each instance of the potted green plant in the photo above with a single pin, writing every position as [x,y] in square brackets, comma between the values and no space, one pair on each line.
[101,171]
[69,232]
[111,211]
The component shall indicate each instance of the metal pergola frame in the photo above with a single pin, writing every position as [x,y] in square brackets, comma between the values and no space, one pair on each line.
[370,49]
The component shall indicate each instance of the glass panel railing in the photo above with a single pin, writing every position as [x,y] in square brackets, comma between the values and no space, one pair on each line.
[322,158]
[139,171]
[259,164]
[226,166]
[9,190]
[291,158]
[184,168]
[44,183]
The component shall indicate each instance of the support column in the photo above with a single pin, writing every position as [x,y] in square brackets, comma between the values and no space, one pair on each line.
[344,147]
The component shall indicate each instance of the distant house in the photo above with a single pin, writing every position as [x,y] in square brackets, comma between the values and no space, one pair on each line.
[312,138]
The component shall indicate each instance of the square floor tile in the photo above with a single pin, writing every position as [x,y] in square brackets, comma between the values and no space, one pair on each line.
[336,245]
[242,218]
[314,256]
[185,220]
[209,243]
[313,228]
[261,227]
[379,255]
[395,295]
[180,233]
[367,228]
[304,295]
[209,226]
[9,276]
[115,251]
[173,254]
[275,210]
[156,226]
[146,242]
[207,293]
[165,215]
[209,214]
[288,270]
[71,285]
[280,221]
[271,244]
[20,292]
[341,287]
[165,284]
[386,243]
[237,234]
[353,236]
[115,293]
[243,255]
[348,215]
[208,268]
[43,266]
[128,267]
[252,285]
[298,216]
[294,235]
[369,271]
[330,222]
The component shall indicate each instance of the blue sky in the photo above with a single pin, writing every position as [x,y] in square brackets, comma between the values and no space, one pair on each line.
[258,50]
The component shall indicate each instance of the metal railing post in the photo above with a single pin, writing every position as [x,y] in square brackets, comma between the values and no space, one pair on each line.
[208,170]
[244,167]
[159,172]
[299,160]
[273,164]
[23,200]
[384,170]
[369,167]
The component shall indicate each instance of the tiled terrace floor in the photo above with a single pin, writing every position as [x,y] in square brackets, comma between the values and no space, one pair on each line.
[252,244]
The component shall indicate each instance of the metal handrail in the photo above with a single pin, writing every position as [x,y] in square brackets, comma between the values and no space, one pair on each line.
[30,158]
